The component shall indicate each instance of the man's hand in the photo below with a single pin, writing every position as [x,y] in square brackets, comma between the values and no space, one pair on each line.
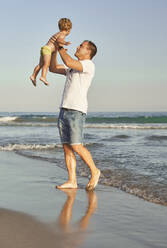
[55,67]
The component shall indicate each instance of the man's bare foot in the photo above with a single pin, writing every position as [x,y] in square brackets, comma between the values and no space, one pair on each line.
[33,79]
[44,81]
[93,181]
[67,185]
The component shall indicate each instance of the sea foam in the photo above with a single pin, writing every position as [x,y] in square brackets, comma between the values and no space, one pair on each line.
[126,126]
[14,147]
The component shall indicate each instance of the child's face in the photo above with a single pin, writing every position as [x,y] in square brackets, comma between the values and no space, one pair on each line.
[68,31]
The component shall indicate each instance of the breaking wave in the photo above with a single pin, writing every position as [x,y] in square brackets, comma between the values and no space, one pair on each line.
[8,118]
[15,147]
[127,126]
[93,120]
[12,122]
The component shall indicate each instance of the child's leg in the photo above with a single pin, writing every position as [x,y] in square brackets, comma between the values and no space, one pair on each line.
[46,64]
[36,71]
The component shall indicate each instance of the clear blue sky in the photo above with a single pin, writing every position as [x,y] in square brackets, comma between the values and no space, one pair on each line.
[130,65]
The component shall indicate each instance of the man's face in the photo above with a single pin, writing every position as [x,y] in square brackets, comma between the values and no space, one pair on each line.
[82,51]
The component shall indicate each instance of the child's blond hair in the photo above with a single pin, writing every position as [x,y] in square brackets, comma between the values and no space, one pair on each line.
[64,24]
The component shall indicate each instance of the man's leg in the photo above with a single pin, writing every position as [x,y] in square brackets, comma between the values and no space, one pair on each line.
[70,160]
[87,158]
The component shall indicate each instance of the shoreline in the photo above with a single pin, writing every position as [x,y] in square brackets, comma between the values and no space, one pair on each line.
[144,193]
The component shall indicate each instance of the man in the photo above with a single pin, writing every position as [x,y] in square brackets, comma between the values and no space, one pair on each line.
[73,108]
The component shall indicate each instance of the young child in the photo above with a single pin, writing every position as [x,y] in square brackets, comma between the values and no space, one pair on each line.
[65,26]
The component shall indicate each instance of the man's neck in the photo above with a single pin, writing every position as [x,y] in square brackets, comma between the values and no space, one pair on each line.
[84,58]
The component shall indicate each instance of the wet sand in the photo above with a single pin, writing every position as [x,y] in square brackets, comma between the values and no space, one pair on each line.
[34,213]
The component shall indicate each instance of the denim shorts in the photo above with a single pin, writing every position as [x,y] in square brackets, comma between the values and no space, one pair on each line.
[70,124]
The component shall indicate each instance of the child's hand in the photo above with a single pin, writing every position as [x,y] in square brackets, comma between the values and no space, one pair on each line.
[68,43]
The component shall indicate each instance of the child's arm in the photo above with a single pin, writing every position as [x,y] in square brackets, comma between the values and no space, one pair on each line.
[60,39]
[63,42]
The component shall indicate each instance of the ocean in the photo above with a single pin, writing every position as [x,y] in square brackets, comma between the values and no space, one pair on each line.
[129,148]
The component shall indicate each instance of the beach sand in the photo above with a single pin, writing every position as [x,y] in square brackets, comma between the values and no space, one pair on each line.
[34,213]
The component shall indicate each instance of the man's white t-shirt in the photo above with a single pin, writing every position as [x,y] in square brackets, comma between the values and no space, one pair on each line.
[76,87]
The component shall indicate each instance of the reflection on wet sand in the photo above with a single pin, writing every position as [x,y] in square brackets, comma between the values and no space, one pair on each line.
[19,230]
[75,236]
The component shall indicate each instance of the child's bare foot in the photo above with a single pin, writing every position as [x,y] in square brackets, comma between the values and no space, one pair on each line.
[44,81]
[33,79]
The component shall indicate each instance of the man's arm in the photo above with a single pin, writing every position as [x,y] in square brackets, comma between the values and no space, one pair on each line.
[55,67]
[68,61]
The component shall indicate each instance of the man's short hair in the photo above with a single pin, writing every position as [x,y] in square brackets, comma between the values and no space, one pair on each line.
[92,47]
[64,24]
